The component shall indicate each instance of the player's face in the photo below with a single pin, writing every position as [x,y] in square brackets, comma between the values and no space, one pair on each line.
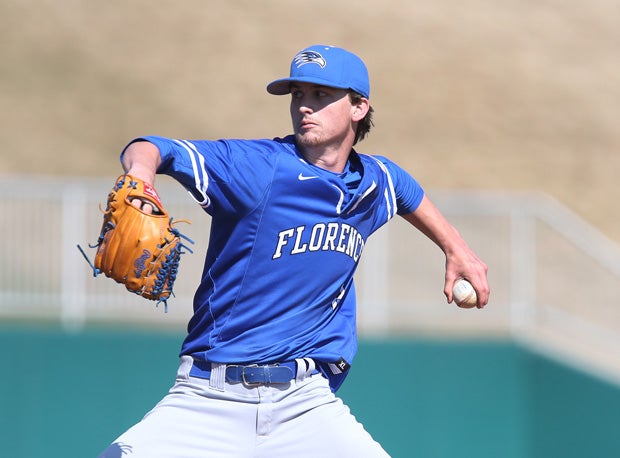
[322,116]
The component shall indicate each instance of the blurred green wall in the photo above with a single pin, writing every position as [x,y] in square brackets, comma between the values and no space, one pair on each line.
[69,395]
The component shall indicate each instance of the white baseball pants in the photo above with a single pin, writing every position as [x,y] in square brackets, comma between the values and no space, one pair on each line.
[202,418]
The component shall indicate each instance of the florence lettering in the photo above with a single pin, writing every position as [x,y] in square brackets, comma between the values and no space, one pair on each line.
[321,237]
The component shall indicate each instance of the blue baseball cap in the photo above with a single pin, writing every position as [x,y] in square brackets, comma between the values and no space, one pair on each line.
[327,66]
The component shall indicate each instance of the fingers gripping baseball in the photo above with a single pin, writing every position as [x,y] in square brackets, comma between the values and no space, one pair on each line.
[472,269]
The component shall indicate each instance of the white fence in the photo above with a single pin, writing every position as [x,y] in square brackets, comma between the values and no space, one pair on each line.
[555,280]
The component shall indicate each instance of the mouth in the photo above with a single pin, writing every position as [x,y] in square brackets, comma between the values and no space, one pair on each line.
[306,124]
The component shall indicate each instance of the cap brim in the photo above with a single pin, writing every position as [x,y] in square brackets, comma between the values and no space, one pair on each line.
[283,85]
[279,87]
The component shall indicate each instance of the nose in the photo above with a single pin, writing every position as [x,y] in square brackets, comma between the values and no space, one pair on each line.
[304,104]
[304,108]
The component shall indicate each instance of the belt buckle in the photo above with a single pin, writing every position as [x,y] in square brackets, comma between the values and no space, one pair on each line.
[250,383]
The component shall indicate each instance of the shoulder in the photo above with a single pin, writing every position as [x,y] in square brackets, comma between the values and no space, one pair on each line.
[406,189]
[225,151]
[380,164]
[377,159]
[223,144]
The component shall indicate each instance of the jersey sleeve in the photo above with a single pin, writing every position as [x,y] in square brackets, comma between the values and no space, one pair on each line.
[409,192]
[223,176]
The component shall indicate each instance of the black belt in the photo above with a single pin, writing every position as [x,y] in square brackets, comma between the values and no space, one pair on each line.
[253,374]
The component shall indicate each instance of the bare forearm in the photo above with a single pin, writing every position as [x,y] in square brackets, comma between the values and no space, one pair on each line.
[429,220]
[141,159]
[461,261]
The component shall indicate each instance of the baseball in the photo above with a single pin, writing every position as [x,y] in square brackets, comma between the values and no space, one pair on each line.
[464,294]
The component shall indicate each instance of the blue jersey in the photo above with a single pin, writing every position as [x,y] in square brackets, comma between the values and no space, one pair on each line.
[286,238]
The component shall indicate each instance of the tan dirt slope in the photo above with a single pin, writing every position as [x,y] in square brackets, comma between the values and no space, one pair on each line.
[494,95]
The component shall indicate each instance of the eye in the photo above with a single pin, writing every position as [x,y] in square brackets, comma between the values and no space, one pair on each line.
[297,94]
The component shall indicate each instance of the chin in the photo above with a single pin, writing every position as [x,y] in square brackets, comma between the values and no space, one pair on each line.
[307,139]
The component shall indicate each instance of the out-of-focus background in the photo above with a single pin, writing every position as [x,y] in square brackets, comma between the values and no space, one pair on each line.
[507,113]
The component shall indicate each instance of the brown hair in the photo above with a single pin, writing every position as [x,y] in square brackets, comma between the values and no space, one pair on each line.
[365,124]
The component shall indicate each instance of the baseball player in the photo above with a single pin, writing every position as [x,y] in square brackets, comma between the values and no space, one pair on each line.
[273,333]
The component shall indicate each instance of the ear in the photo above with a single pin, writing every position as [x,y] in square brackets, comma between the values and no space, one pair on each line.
[360,109]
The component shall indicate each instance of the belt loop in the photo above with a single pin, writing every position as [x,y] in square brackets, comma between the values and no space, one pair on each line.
[185,366]
[305,367]
[218,376]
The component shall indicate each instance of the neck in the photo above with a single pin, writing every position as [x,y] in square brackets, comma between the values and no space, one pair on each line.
[333,160]
[332,157]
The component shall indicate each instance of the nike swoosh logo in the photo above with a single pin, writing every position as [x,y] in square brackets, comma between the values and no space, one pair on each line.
[302,177]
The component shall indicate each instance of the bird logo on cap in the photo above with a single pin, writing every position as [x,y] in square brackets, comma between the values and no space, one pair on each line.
[309,57]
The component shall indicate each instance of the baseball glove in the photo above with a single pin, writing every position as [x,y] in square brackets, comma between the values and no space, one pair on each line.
[135,248]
